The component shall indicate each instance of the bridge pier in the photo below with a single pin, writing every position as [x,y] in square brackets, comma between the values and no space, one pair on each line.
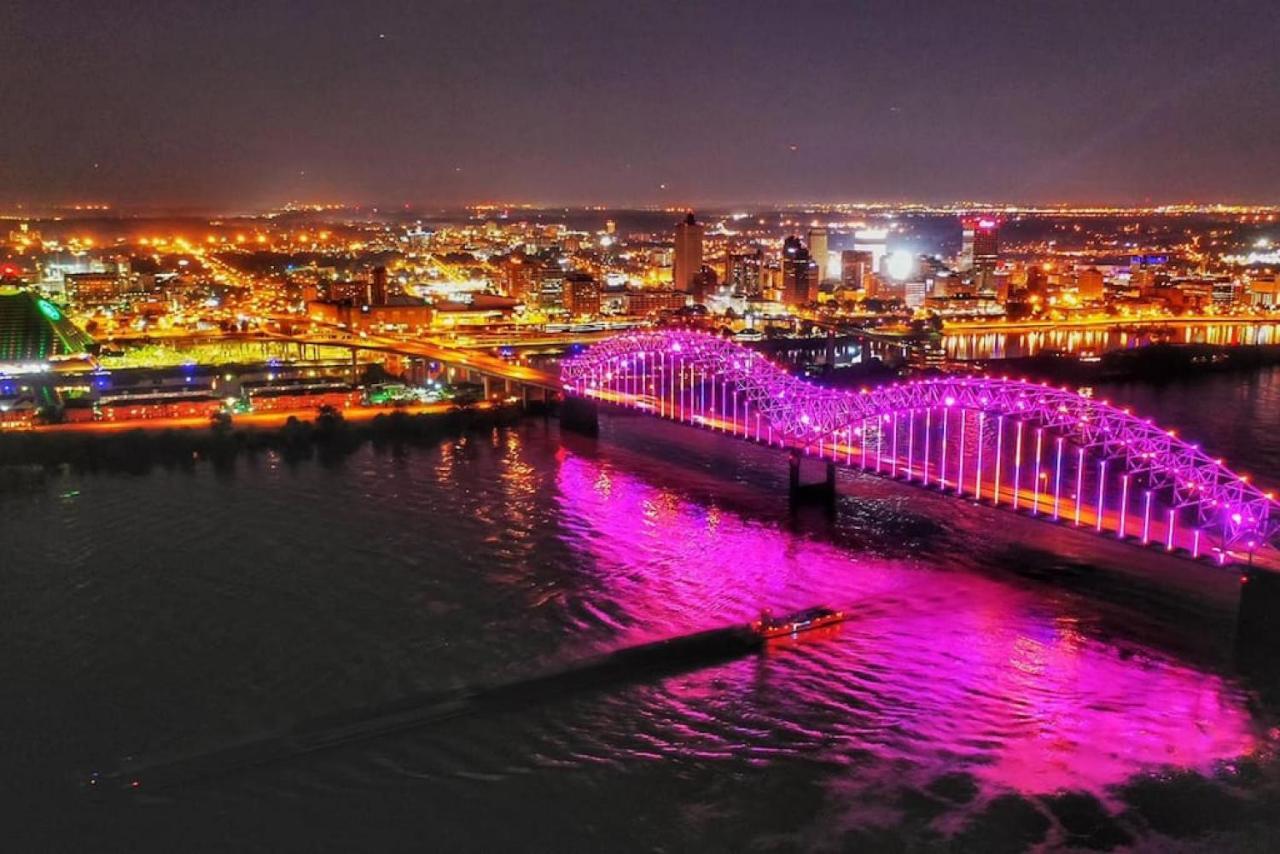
[823,492]
[580,415]
[1258,617]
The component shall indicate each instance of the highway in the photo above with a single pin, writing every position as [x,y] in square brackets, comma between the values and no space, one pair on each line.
[481,362]
[421,349]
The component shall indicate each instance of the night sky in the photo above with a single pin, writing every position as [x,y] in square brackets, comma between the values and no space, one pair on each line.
[249,104]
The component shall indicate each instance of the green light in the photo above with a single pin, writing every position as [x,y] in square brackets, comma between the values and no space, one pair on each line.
[49,310]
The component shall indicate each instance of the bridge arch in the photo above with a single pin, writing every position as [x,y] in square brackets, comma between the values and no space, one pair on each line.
[1123,474]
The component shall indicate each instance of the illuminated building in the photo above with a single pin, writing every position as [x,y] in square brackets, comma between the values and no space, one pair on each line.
[818,251]
[481,310]
[581,294]
[855,266]
[1037,282]
[378,286]
[688,253]
[914,292]
[704,284]
[744,272]
[874,241]
[980,250]
[648,301]
[1226,292]
[965,261]
[799,273]
[518,277]
[97,290]
[400,312]
[1265,293]
[346,291]
[34,330]
[1090,285]
[551,286]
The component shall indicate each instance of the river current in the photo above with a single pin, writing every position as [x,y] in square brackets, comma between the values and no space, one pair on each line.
[986,694]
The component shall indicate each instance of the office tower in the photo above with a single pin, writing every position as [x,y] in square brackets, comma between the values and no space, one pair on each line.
[875,241]
[818,251]
[688,257]
[704,283]
[965,262]
[1089,285]
[855,267]
[799,273]
[980,239]
[581,294]
[518,278]
[744,271]
[377,294]
[551,285]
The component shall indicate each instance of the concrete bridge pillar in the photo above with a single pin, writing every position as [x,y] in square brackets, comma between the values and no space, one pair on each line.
[1258,617]
[823,492]
[580,415]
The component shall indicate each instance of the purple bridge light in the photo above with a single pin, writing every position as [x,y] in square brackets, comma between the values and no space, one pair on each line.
[995,440]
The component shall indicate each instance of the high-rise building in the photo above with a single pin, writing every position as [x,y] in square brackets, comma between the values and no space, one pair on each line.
[980,239]
[688,256]
[1089,284]
[551,286]
[518,278]
[743,273]
[965,261]
[799,273]
[818,250]
[377,294]
[874,241]
[855,266]
[581,294]
[704,283]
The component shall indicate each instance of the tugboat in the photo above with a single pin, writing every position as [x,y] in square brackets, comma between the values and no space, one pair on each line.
[807,620]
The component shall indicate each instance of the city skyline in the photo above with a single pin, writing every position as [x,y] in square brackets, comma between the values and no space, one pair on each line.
[669,105]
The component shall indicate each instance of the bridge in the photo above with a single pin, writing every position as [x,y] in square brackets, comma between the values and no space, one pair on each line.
[1060,455]
[464,365]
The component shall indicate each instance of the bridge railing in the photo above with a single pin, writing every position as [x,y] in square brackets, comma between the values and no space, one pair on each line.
[1011,442]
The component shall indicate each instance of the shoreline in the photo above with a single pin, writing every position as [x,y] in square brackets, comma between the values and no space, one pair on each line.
[26,455]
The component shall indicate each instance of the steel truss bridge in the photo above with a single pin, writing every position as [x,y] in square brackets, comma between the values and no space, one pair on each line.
[1028,447]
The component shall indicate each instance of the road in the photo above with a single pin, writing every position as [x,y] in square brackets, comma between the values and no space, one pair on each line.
[481,362]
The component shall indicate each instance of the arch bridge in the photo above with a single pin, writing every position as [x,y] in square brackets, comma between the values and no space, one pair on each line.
[1028,447]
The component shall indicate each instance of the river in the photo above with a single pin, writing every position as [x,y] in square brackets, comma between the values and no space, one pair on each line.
[972,701]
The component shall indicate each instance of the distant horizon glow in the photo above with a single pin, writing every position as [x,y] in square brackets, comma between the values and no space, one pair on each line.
[665,104]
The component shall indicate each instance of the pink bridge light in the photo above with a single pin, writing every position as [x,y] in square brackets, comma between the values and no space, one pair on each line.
[1209,498]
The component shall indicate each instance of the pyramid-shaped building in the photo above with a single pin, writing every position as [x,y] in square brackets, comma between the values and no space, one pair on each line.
[32,329]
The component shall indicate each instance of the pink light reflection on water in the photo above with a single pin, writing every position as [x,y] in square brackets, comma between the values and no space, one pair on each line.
[941,670]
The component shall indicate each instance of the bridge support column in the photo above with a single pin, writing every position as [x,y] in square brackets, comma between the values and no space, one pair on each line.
[488,386]
[1258,617]
[580,415]
[822,492]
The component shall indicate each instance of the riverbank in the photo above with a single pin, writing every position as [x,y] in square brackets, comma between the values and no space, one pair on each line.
[328,435]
